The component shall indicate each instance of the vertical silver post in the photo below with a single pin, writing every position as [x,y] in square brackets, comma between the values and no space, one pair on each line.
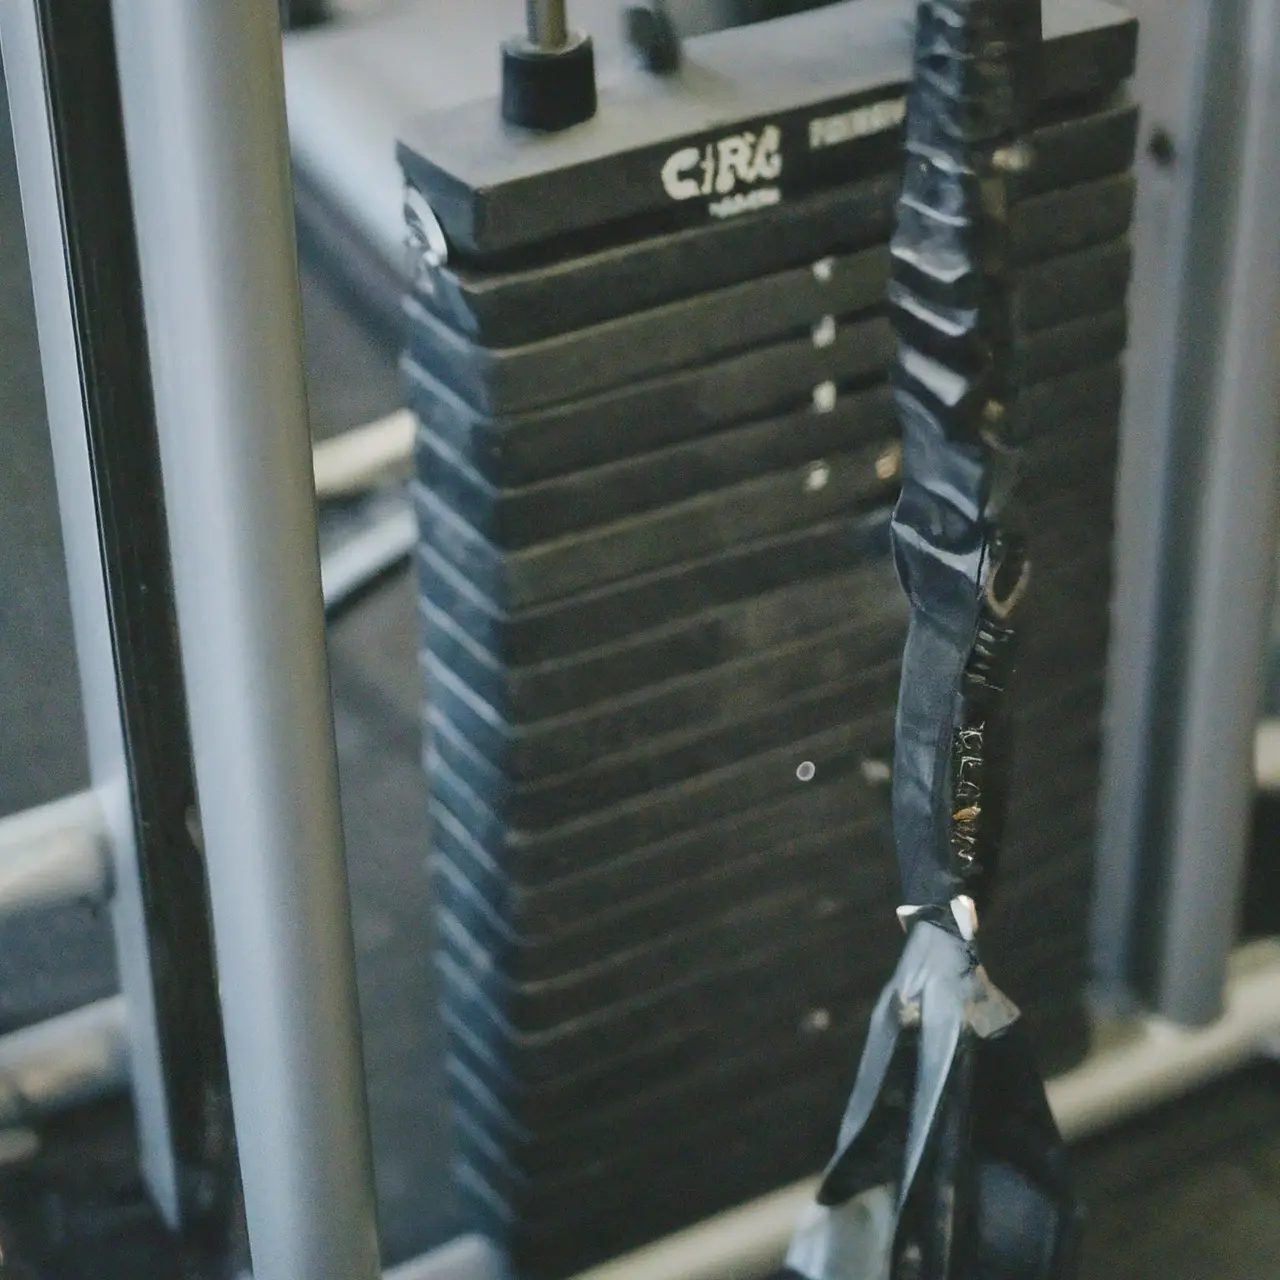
[1170,86]
[1196,509]
[202,91]
[548,23]
[36,152]
[1233,575]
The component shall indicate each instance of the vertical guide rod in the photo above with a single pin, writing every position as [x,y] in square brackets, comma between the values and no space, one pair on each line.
[203,95]
[1235,566]
[548,23]
[49,251]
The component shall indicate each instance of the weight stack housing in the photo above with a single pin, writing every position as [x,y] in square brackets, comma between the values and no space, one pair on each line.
[655,462]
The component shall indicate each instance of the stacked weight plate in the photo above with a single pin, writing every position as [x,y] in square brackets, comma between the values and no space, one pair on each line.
[655,460]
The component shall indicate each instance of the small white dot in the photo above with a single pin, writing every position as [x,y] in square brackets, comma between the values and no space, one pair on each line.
[824,332]
[817,1020]
[824,269]
[806,771]
[817,478]
[876,772]
[824,397]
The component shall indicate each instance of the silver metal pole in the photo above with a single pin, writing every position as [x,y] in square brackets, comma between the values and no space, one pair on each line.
[1233,576]
[1170,84]
[204,116]
[548,23]
[24,66]
[1196,509]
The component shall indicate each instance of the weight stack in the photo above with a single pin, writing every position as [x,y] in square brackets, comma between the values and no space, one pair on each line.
[655,463]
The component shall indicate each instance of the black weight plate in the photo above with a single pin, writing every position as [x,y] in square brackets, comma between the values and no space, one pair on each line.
[520,517]
[644,820]
[519,889]
[610,893]
[739,931]
[686,648]
[609,614]
[691,648]
[651,907]
[692,1180]
[515,519]
[652,1107]
[619,905]
[1050,964]
[495,189]
[647,601]
[628,1070]
[799,699]
[645,344]
[735,690]
[1071,286]
[698,999]
[511,307]
[780,1007]
[765,382]
[713,327]
[652,911]
[861,479]
[651,1110]
[721,1175]
[566,1190]
[1063,645]
[739,928]
[526,304]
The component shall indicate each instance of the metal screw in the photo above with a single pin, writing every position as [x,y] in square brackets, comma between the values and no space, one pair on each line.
[1161,148]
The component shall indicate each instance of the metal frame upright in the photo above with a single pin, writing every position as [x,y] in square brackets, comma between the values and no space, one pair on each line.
[1197,506]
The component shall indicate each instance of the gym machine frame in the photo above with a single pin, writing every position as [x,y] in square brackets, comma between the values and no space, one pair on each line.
[202,97]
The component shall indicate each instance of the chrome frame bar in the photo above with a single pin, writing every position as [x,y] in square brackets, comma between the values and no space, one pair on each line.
[1196,509]
[24,64]
[203,97]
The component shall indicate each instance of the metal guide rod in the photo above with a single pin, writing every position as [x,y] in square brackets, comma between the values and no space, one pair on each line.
[548,23]
[204,116]
[1195,509]
[1233,575]
[29,108]
[1170,85]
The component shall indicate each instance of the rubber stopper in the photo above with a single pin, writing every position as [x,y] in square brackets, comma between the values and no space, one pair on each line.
[548,89]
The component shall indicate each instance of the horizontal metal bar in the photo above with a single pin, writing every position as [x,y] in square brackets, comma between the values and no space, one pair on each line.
[364,457]
[65,1061]
[55,854]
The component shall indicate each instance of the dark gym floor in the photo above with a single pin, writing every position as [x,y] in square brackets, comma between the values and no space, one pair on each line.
[1190,1193]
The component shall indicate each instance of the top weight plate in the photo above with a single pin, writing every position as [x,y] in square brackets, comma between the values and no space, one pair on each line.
[755,115]
[524,304]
